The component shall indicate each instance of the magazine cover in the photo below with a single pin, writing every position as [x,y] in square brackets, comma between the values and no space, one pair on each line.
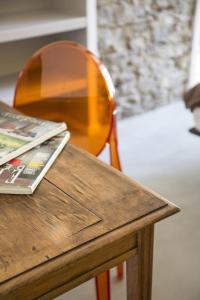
[19,133]
[22,174]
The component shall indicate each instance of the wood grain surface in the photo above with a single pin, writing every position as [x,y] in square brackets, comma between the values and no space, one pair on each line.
[35,228]
[83,218]
[109,193]
[78,191]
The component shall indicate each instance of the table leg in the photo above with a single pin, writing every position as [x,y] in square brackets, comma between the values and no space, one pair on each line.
[139,268]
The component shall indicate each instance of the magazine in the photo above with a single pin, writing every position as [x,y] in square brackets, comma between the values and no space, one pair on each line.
[19,133]
[22,174]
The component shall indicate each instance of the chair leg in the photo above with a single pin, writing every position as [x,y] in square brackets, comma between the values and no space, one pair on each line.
[102,282]
[115,162]
[114,153]
[120,271]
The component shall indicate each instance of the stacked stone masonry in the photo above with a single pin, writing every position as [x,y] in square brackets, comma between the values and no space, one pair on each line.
[146,46]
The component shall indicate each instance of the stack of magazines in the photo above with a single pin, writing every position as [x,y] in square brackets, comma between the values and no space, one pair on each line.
[28,147]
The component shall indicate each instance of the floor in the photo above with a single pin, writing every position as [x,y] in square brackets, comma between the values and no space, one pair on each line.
[157,150]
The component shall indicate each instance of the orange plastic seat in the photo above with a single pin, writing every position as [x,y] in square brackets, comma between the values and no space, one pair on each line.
[63,81]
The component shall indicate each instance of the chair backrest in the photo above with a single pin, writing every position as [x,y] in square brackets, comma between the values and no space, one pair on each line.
[63,81]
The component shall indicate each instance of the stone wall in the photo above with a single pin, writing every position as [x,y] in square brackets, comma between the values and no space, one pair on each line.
[146,46]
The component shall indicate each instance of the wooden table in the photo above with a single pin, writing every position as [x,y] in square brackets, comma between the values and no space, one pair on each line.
[84,218]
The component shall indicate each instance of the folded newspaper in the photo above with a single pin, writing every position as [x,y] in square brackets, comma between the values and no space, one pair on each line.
[19,133]
[22,174]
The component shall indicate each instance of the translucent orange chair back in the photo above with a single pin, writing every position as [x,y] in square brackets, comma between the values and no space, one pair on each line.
[65,82]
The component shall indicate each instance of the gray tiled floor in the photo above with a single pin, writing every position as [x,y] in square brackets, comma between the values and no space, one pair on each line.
[157,150]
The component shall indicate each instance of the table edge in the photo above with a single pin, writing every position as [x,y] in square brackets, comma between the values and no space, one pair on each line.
[61,261]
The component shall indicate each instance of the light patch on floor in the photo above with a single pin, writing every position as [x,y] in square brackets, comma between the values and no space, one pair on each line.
[157,150]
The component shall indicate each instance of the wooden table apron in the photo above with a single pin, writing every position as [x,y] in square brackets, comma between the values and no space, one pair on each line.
[85,217]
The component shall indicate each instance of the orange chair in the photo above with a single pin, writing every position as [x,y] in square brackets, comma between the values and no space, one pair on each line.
[63,81]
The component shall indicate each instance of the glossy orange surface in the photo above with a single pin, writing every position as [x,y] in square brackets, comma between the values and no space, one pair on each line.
[65,82]
[103,286]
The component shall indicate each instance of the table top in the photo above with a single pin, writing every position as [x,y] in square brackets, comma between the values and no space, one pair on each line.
[80,201]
